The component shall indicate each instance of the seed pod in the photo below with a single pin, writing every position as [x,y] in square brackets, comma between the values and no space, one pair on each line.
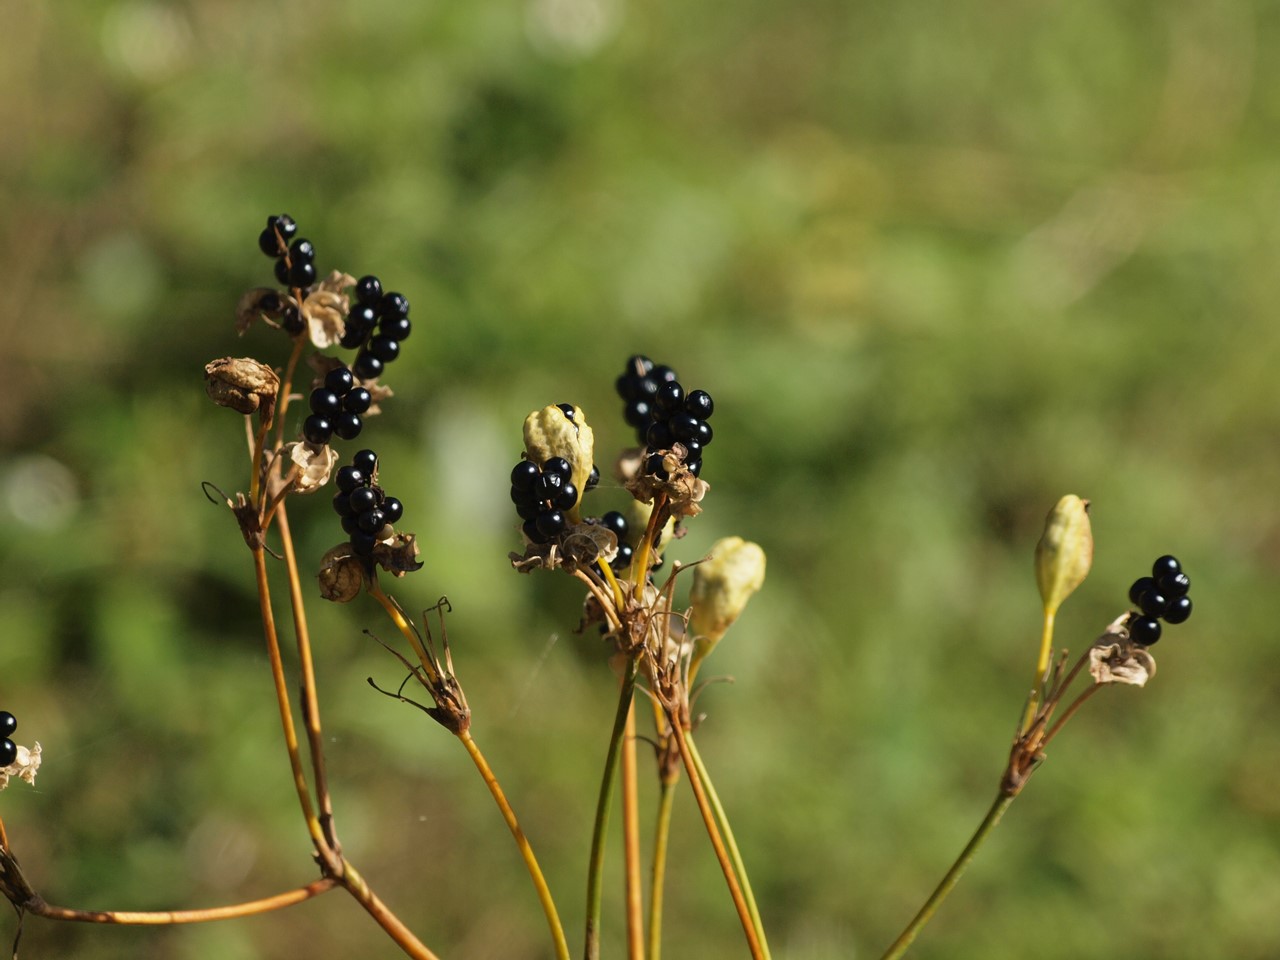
[722,585]
[341,574]
[243,384]
[315,464]
[550,433]
[1065,551]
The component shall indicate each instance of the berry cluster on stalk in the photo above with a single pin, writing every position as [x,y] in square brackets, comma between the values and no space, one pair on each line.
[8,749]
[1161,596]
[389,313]
[295,256]
[543,495]
[336,407]
[366,511]
[663,414]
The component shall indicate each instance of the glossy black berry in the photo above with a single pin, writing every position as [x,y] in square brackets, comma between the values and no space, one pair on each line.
[348,425]
[8,752]
[393,509]
[1152,603]
[325,403]
[551,523]
[567,410]
[523,475]
[1144,630]
[693,450]
[366,461]
[623,559]
[369,290]
[1140,586]
[637,413]
[350,524]
[393,305]
[653,466]
[371,521]
[363,543]
[558,465]
[593,478]
[348,478]
[1179,610]
[342,504]
[302,273]
[615,521]
[549,485]
[281,271]
[694,466]
[669,398]
[526,509]
[291,320]
[1165,566]
[530,529]
[699,404]
[339,380]
[8,723]
[367,366]
[353,336]
[302,251]
[363,499]
[384,348]
[1175,585]
[317,429]
[362,316]
[567,498]
[684,427]
[663,374]
[357,401]
[268,243]
[397,328]
[285,224]
[659,436]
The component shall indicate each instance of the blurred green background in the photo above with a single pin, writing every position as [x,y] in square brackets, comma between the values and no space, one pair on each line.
[938,265]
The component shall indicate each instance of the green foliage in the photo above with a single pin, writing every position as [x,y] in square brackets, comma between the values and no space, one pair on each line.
[938,264]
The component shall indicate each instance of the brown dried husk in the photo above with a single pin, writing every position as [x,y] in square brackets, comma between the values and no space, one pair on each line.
[241,383]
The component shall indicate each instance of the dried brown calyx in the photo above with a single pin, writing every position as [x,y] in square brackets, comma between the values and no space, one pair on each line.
[243,384]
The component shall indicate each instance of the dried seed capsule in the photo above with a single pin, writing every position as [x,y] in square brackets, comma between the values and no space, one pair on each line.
[1065,551]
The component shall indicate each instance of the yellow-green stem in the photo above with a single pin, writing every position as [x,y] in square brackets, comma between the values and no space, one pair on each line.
[917,923]
[717,844]
[595,869]
[382,915]
[1042,669]
[165,917]
[406,629]
[631,839]
[732,844]
[657,880]
[526,851]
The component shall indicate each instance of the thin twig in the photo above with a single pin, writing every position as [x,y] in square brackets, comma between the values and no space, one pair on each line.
[631,839]
[657,880]
[38,907]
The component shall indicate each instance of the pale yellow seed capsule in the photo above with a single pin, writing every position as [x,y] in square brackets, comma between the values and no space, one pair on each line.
[549,433]
[1065,551]
[722,585]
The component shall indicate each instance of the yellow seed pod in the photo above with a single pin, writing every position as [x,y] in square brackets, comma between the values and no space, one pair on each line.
[1065,551]
[722,585]
[550,432]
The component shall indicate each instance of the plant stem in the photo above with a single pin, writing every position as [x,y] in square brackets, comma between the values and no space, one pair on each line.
[1042,669]
[38,907]
[382,915]
[708,818]
[917,923]
[661,834]
[723,821]
[286,712]
[595,869]
[631,839]
[526,851]
[406,629]
[310,695]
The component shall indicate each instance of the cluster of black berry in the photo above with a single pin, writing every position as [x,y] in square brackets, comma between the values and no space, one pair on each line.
[365,510]
[336,407]
[8,749]
[389,312]
[1163,595]
[615,521]
[295,258]
[542,496]
[663,414]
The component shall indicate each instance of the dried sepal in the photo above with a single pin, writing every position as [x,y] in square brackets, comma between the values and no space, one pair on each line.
[1065,551]
[550,433]
[580,545]
[241,383]
[1115,658]
[683,490]
[342,574]
[24,766]
[325,309]
[257,304]
[315,464]
[397,554]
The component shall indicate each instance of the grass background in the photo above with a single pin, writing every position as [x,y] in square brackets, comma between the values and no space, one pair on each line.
[938,264]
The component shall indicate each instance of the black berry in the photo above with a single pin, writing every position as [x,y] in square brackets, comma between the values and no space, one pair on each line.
[558,465]
[1179,610]
[268,243]
[366,461]
[325,403]
[615,521]
[551,523]
[339,380]
[1153,604]
[1166,565]
[659,436]
[371,521]
[347,425]
[363,543]
[367,366]
[1144,630]
[567,410]
[363,499]
[393,509]
[567,498]
[397,328]
[699,404]
[8,723]
[523,475]
[302,251]
[342,503]
[282,272]
[302,273]
[593,478]
[348,478]
[393,305]
[1175,585]
[623,559]
[384,348]
[357,401]
[287,226]
[669,398]
[8,752]
[317,429]
[369,290]
[1140,586]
